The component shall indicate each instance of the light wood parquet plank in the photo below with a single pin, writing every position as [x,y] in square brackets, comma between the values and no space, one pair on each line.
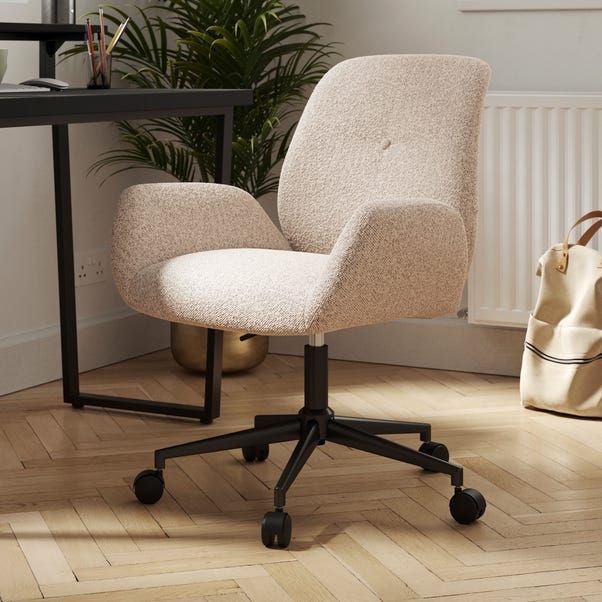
[532,594]
[509,482]
[45,558]
[24,441]
[169,514]
[151,581]
[135,518]
[402,564]
[76,543]
[238,596]
[17,582]
[187,494]
[79,431]
[10,459]
[367,568]
[263,589]
[299,584]
[333,575]
[429,538]
[48,431]
[110,535]
[550,460]
[215,547]
[225,559]
[218,486]
[191,592]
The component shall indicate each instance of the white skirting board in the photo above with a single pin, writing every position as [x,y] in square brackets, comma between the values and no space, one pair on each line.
[441,343]
[32,358]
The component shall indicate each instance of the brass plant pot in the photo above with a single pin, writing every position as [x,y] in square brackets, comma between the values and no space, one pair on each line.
[189,349]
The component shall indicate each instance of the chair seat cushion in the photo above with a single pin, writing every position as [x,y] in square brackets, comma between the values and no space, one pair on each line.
[262,291]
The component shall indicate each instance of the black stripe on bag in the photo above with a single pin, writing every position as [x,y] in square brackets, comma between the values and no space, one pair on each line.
[558,360]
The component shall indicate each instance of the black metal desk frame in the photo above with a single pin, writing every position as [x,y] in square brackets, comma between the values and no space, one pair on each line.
[50,38]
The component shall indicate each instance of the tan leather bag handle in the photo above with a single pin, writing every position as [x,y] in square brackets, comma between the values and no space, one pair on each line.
[585,238]
[590,233]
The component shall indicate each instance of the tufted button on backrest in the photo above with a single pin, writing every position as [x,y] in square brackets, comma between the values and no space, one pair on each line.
[394,127]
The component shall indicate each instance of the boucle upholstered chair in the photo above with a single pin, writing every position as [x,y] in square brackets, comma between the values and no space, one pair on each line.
[377,203]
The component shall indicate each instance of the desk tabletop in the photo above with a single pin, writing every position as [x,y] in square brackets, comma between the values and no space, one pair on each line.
[63,32]
[84,106]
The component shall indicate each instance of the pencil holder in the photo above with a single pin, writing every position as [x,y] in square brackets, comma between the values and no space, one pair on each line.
[100,69]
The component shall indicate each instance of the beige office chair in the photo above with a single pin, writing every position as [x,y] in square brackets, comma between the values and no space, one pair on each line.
[377,203]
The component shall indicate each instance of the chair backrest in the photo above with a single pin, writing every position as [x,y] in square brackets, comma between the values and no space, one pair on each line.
[392,127]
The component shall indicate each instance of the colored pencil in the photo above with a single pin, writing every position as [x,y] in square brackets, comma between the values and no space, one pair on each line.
[102,41]
[117,35]
[90,42]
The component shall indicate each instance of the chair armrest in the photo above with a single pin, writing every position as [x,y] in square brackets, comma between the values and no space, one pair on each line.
[156,222]
[393,259]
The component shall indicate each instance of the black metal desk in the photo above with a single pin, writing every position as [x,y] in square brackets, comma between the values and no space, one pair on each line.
[58,109]
[50,36]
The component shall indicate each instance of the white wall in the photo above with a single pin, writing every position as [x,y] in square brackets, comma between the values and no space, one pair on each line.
[29,350]
[537,50]
[528,51]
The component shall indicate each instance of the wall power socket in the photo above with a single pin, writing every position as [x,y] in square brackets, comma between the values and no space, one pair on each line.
[91,267]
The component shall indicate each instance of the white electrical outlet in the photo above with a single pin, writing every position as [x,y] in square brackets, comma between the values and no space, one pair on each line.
[91,267]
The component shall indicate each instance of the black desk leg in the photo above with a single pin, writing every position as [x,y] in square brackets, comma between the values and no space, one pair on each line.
[64,246]
[68,313]
[213,375]
[215,338]
[223,150]
[47,61]
[64,241]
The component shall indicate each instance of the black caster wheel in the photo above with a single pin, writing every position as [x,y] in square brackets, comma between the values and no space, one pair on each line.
[437,450]
[276,529]
[467,505]
[149,486]
[256,453]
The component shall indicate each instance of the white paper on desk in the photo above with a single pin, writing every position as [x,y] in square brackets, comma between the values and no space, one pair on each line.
[12,88]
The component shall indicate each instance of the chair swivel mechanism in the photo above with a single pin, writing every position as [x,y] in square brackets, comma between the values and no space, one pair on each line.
[377,204]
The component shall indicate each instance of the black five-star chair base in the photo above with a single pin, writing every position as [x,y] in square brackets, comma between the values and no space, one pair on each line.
[314,425]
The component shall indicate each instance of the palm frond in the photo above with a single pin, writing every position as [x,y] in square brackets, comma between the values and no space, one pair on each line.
[265,45]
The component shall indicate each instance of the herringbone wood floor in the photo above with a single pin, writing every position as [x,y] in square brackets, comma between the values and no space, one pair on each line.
[365,528]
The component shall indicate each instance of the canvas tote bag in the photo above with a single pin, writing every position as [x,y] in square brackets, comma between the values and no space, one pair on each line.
[562,359]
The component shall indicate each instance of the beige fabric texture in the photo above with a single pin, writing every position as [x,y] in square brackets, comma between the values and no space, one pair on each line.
[275,292]
[562,361]
[155,222]
[383,127]
[376,235]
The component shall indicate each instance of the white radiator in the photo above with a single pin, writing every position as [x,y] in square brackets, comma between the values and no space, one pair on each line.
[540,169]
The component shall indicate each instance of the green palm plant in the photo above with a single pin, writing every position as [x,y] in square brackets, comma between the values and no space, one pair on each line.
[265,45]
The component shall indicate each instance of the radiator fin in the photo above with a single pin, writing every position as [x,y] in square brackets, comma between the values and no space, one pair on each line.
[539,169]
